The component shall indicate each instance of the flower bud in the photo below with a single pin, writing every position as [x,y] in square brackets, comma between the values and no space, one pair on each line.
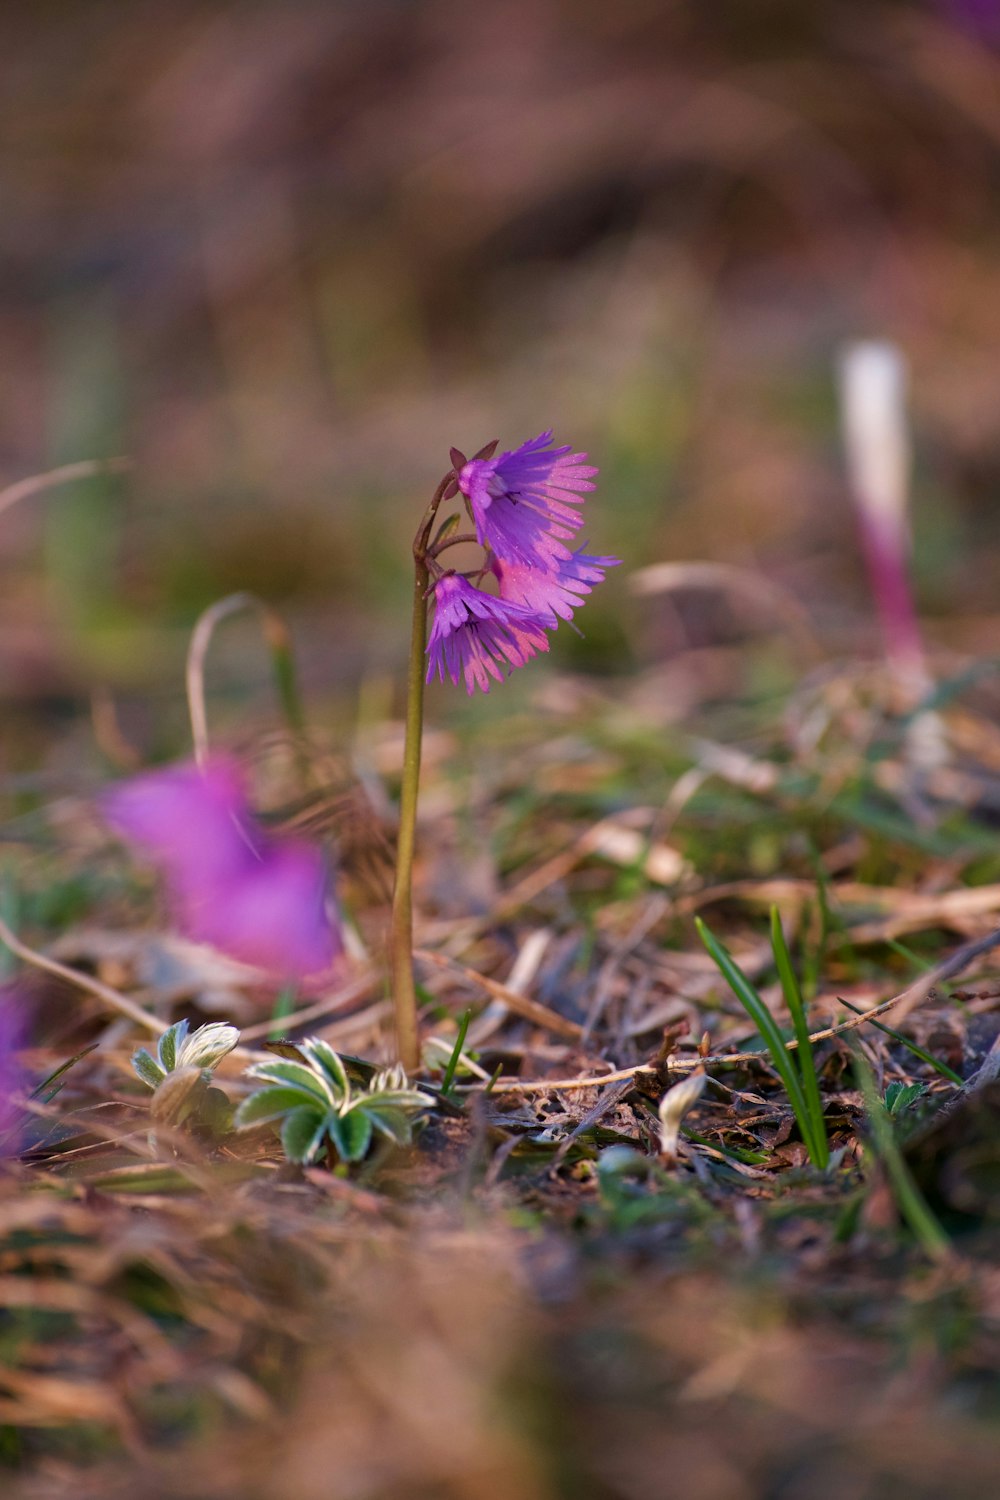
[673,1107]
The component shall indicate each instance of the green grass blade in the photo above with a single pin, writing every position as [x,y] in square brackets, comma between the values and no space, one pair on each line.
[905,951]
[739,1153]
[283,1006]
[909,1199]
[50,1086]
[911,1046]
[279,645]
[814,957]
[766,1025]
[819,1150]
[497,1073]
[456,1052]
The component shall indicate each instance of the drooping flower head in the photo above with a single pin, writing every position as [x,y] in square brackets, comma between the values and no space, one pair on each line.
[261,899]
[524,502]
[555,591]
[525,506]
[476,635]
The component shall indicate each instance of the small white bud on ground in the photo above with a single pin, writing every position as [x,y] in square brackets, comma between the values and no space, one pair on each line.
[673,1107]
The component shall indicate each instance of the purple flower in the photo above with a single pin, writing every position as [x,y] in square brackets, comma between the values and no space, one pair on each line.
[523,502]
[261,899]
[194,821]
[475,635]
[12,1027]
[981,18]
[556,590]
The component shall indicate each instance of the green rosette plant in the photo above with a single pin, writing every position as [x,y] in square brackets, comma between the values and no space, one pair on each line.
[317,1106]
[180,1075]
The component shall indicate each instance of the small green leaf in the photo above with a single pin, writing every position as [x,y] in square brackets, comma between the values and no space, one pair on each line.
[148,1068]
[215,1113]
[300,1076]
[352,1134]
[447,528]
[326,1061]
[898,1096]
[388,1078]
[272,1103]
[411,1098]
[391,1122]
[169,1043]
[302,1133]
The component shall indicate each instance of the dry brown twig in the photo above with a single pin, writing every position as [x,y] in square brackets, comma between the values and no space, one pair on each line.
[144,1018]
[201,638]
[531,1010]
[907,1000]
[356,989]
[104,992]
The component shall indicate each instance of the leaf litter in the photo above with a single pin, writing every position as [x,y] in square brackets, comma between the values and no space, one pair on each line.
[533,1298]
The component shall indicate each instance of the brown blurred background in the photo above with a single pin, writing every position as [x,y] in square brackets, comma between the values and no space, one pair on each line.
[285,254]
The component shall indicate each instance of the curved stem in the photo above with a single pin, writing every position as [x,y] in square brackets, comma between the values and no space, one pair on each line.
[462,538]
[279,644]
[23,489]
[401,936]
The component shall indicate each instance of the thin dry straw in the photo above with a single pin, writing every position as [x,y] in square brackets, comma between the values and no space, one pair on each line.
[278,639]
[727,578]
[112,998]
[530,1010]
[104,992]
[86,468]
[922,989]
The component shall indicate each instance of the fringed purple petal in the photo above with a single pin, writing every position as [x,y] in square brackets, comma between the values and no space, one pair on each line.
[524,502]
[552,593]
[475,636]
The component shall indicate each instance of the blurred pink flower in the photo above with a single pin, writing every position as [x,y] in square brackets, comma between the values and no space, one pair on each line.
[980,18]
[261,899]
[12,1029]
[873,379]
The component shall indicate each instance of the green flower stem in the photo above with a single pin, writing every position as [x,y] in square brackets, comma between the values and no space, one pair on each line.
[404,992]
[458,539]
